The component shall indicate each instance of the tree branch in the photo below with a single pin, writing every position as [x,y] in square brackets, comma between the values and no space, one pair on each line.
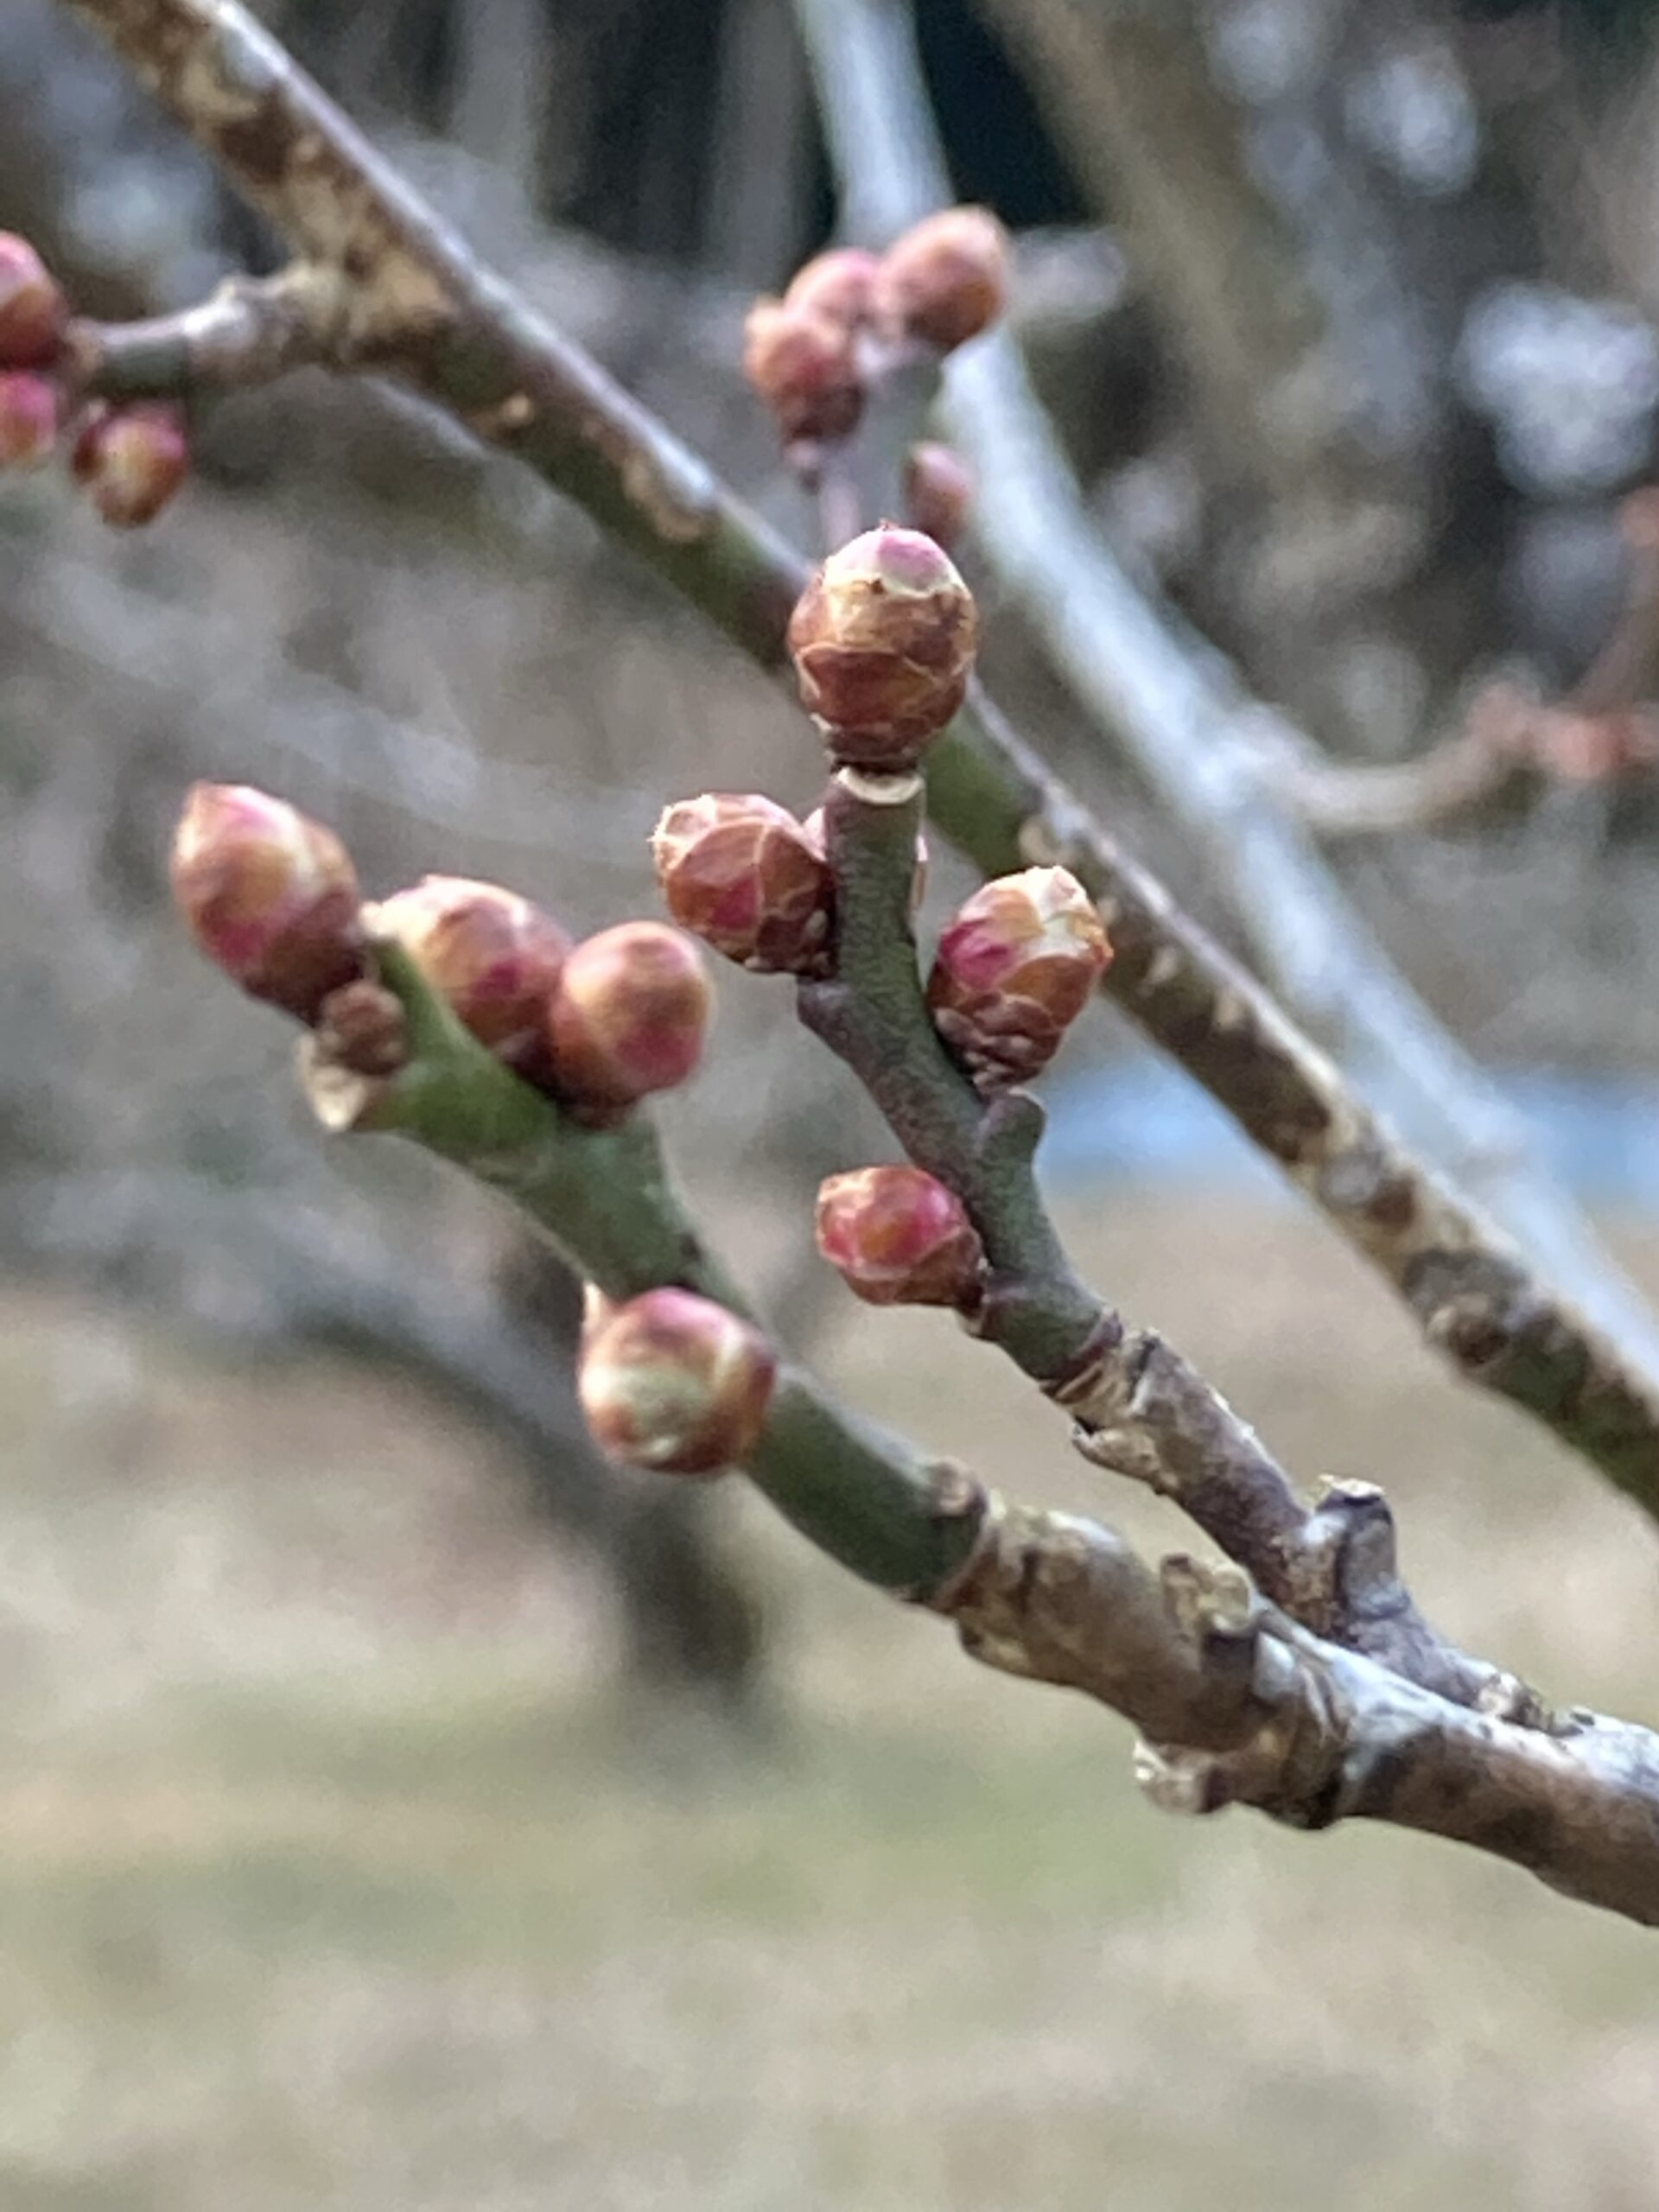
[604,1199]
[250,330]
[1137,1407]
[419,305]
[1185,720]
[1240,1704]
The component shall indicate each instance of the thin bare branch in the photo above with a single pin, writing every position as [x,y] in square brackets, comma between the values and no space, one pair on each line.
[250,330]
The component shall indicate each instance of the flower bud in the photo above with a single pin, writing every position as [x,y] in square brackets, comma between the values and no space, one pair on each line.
[938,492]
[883,643]
[363,1028]
[802,365]
[33,309]
[899,1237]
[28,419]
[495,957]
[268,895]
[839,285]
[629,1016]
[744,875]
[673,1381]
[947,279]
[1014,969]
[131,459]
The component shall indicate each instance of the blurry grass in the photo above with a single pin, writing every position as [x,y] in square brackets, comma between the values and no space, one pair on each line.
[332,1875]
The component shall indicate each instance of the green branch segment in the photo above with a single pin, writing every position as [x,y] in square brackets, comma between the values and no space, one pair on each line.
[605,1201]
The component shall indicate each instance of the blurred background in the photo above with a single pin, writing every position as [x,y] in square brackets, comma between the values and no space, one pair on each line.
[397,1809]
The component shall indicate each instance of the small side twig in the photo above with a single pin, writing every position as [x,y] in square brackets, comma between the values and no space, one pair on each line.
[250,330]
[1137,1407]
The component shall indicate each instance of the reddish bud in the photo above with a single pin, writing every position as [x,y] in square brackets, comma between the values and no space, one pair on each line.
[802,363]
[946,280]
[899,1237]
[883,642]
[362,1027]
[131,459]
[839,285]
[629,1016]
[675,1382]
[269,895]
[938,492]
[744,875]
[28,419]
[33,309]
[495,957]
[1014,969]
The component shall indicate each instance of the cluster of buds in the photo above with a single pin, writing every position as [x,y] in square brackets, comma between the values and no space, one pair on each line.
[129,459]
[899,1236]
[672,1382]
[271,898]
[1014,967]
[814,356]
[883,641]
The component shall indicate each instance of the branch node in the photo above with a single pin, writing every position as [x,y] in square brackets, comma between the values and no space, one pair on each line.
[874,787]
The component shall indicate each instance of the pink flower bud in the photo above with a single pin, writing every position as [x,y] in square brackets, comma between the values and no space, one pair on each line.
[938,492]
[675,1382]
[743,874]
[28,419]
[1013,970]
[33,310]
[495,957]
[839,285]
[947,279]
[883,643]
[629,1016]
[131,459]
[269,895]
[802,365]
[899,1237]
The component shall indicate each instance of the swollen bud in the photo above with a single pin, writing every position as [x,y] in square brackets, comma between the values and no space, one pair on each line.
[33,310]
[269,895]
[743,874]
[802,363]
[1014,969]
[883,643]
[839,285]
[495,957]
[899,1237]
[938,492]
[673,1381]
[947,279]
[131,460]
[629,1016]
[28,419]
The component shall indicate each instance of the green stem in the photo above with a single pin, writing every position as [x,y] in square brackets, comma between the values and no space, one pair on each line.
[606,1201]
[873,1014]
